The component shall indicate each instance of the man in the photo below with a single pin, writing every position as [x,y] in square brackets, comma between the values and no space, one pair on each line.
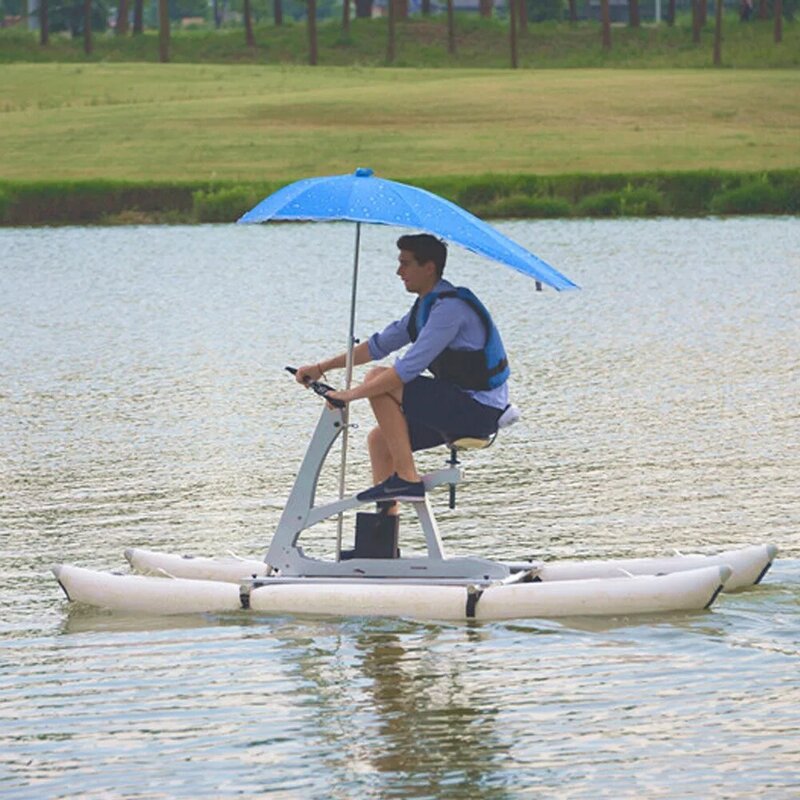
[453,336]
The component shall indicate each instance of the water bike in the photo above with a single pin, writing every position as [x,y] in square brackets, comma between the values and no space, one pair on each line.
[376,579]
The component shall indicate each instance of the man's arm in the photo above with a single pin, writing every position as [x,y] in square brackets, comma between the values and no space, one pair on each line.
[391,338]
[439,331]
[313,372]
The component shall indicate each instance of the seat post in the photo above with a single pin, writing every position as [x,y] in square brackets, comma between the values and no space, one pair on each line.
[464,443]
[453,462]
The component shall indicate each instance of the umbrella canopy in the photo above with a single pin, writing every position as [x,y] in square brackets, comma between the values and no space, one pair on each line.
[361,197]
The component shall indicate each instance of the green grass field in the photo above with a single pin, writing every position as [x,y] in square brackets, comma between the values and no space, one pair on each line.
[194,122]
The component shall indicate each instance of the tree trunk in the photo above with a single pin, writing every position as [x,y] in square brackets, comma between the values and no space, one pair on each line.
[249,36]
[138,17]
[485,8]
[122,19]
[717,33]
[696,21]
[451,28]
[401,8]
[311,20]
[44,23]
[633,13]
[363,9]
[87,27]
[512,31]
[605,17]
[277,12]
[523,15]
[390,42]
[346,16]
[215,13]
[573,11]
[671,13]
[163,31]
[703,13]
[763,10]
[778,21]
[426,8]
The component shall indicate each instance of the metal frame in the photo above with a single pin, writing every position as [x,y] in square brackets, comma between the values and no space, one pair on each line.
[286,558]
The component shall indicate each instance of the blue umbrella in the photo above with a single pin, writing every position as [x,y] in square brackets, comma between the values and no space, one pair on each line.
[361,197]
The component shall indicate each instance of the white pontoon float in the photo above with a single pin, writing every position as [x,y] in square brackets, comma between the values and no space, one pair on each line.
[432,586]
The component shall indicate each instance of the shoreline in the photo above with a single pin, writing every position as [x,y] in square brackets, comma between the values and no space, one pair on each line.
[642,195]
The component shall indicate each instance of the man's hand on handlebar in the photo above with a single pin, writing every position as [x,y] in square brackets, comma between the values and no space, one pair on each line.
[339,397]
[333,398]
[308,373]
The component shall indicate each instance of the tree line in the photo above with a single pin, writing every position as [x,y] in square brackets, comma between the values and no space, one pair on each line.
[131,18]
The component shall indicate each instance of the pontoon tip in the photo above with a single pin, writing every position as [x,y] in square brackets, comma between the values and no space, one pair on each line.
[772,551]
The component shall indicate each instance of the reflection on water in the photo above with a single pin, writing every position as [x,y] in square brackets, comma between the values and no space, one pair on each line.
[391,684]
[143,403]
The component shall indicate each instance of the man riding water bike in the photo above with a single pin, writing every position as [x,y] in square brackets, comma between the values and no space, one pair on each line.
[453,336]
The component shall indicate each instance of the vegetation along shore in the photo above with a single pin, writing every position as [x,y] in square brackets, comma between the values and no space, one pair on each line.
[113,136]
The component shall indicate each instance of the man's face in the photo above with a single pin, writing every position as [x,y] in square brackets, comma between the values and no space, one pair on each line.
[415,276]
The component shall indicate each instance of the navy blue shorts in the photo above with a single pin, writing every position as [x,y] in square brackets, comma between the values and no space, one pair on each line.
[438,412]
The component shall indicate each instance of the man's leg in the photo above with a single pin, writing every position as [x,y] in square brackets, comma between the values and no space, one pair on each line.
[390,446]
[379,456]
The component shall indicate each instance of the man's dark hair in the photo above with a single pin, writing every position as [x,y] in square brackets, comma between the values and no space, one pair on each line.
[425,248]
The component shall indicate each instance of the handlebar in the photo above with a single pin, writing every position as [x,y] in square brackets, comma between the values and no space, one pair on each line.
[319,388]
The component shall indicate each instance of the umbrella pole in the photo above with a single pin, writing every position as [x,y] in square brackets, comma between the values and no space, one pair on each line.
[347,381]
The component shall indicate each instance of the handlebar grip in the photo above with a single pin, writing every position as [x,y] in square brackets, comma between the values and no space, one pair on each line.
[321,389]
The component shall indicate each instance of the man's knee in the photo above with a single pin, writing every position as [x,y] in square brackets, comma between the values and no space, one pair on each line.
[394,394]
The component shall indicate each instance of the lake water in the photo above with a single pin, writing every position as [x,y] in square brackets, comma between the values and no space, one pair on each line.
[143,403]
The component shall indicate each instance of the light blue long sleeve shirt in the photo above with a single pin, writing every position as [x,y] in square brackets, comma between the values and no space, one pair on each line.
[452,323]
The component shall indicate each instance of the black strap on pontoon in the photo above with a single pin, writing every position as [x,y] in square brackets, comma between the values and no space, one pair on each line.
[714,596]
[473,595]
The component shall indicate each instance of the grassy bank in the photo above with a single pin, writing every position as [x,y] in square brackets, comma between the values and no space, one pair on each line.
[422,43]
[489,196]
[194,123]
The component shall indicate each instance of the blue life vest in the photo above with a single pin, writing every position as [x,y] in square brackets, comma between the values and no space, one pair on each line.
[470,369]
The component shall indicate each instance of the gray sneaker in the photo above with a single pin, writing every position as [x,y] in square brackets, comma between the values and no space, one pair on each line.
[394,488]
